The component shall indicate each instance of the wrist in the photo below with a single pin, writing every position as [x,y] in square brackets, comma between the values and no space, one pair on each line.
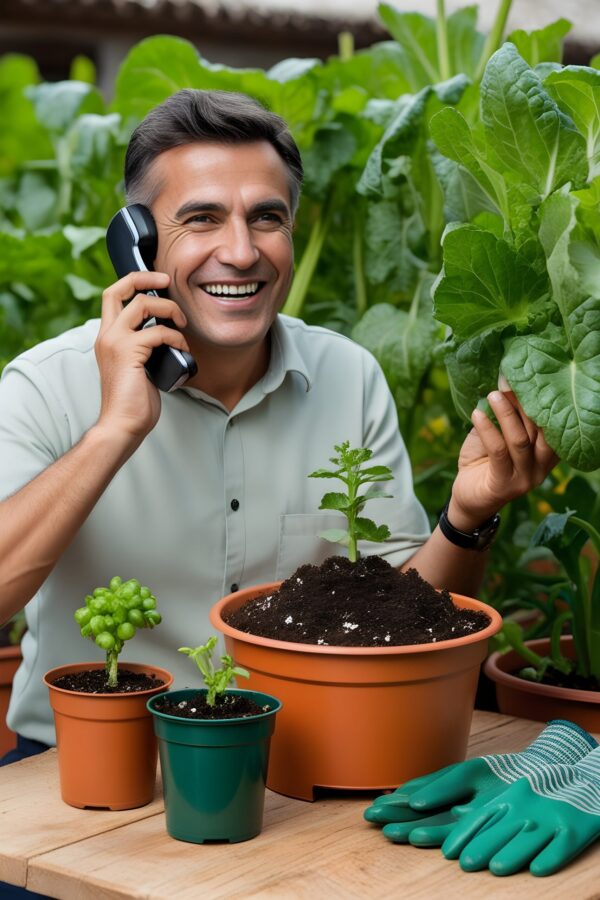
[463,520]
[112,443]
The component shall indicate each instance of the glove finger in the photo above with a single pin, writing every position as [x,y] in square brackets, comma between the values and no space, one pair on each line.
[455,785]
[519,852]
[432,835]
[465,830]
[389,812]
[402,832]
[495,835]
[564,847]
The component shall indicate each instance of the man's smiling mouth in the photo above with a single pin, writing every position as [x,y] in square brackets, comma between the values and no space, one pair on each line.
[227,289]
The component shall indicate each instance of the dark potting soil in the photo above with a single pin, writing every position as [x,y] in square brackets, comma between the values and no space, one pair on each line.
[95,681]
[362,604]
[574,681]
[231,706]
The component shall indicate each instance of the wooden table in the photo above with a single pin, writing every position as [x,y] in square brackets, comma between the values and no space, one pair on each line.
[306,850]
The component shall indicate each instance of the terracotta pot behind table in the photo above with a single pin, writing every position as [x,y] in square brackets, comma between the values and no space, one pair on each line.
[107,750]
[363,718]
[541,702]
[10,659]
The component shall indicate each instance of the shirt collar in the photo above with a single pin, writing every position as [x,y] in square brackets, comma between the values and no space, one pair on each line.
[285,357]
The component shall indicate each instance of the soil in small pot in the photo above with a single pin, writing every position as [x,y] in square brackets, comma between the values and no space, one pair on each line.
[231,706]
[575,682]
[95,681]
[362,604]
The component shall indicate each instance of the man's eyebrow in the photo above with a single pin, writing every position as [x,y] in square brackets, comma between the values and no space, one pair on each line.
[274,204]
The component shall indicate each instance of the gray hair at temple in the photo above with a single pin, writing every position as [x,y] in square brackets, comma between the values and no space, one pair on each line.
[217,116]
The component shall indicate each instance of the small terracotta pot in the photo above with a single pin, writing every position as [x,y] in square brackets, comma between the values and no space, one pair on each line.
[541,702]
[10,659]
[107,750]
[364,718]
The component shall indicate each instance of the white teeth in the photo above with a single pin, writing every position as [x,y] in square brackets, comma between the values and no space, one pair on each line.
[232,290]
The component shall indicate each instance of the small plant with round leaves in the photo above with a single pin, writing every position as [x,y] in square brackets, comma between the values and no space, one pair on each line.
[113,614]
[216,680]
[350,469]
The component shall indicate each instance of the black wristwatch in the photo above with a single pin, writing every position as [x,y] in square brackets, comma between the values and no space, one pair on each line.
[480,539]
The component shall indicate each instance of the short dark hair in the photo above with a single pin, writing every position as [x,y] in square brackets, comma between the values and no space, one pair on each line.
[194,115]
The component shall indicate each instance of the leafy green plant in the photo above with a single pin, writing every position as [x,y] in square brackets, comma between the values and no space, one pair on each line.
[216,680]
[113,614]
[520,287]
[350,470]
[565,534]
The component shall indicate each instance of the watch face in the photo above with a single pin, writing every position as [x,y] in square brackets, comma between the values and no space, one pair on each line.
[485,534]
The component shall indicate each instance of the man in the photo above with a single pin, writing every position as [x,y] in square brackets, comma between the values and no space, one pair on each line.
[204,490]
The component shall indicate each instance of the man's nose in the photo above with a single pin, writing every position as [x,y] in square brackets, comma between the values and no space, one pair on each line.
[237,247]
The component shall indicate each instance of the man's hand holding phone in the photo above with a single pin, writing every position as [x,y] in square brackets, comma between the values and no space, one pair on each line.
[130,402]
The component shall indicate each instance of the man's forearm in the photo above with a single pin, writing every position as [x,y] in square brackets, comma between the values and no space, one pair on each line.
[38,523]
[445,565]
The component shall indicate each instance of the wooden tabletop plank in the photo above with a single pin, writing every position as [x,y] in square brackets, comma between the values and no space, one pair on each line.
[34,820]
[324,849]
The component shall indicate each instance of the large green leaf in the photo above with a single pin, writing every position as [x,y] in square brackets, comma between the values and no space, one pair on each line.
[486,284]
[556,374]
[526,128]
[58,104]
[577,91]
[392,236]
[22,137]
[542,44]
[473,368]
[402,341]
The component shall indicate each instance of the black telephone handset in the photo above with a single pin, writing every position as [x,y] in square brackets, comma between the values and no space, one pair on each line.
[132,241]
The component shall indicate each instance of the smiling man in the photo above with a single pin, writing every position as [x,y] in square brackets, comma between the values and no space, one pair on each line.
[204,490]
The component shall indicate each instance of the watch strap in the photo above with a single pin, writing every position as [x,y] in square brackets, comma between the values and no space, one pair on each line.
[479,539]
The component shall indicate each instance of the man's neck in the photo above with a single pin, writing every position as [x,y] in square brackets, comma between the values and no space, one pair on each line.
[226,374]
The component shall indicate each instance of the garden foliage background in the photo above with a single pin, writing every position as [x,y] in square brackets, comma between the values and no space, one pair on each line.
[400,205]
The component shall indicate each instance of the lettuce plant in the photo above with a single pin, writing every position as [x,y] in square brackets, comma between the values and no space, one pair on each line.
[349,469]
[519,287]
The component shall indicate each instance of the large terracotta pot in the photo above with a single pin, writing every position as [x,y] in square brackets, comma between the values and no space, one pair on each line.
[107,750]
[541,702]
[10,658]
[365,718]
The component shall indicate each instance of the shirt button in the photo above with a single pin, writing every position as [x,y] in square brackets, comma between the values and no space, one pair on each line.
[235,504]
[234,588]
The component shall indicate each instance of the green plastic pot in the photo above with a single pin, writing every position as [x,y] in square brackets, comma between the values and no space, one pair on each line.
[214,771]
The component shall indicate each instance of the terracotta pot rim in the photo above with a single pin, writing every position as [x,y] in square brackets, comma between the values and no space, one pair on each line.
[497,674]
[335,650]
[12,651]
[57,671]
[212,722]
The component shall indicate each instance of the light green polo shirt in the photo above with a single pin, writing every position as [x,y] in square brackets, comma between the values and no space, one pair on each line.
[211,499]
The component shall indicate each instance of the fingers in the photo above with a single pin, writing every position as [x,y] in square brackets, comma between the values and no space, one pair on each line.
[512,447]
[519,852]
[126,288]
[431,826]
[478,853]
[382,813]
[466,829]
[565,847]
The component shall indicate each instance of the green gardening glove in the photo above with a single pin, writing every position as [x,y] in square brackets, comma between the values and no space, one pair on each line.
[421,811]
[543,820]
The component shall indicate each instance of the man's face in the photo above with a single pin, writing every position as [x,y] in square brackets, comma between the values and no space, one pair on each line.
[225,237]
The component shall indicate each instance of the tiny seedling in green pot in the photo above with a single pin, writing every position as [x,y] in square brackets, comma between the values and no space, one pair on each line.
[113,614]
[216,680]
[350,469]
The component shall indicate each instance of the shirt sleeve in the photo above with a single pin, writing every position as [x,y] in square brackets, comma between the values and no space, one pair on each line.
[403,514]
[34,429]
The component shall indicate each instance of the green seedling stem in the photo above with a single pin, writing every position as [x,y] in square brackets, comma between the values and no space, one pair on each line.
[351,472]
[216,680]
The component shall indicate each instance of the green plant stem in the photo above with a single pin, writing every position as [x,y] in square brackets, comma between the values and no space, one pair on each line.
[346,45]
[352,541]
[306,268]
[111,667]
[559,661]
[442,42]
[360,287]
[494,37]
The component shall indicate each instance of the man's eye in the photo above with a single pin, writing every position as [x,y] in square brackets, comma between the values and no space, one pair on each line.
[269,217]
[200,218]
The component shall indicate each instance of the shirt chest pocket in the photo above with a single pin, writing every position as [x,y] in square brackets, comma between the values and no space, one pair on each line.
[299,541]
